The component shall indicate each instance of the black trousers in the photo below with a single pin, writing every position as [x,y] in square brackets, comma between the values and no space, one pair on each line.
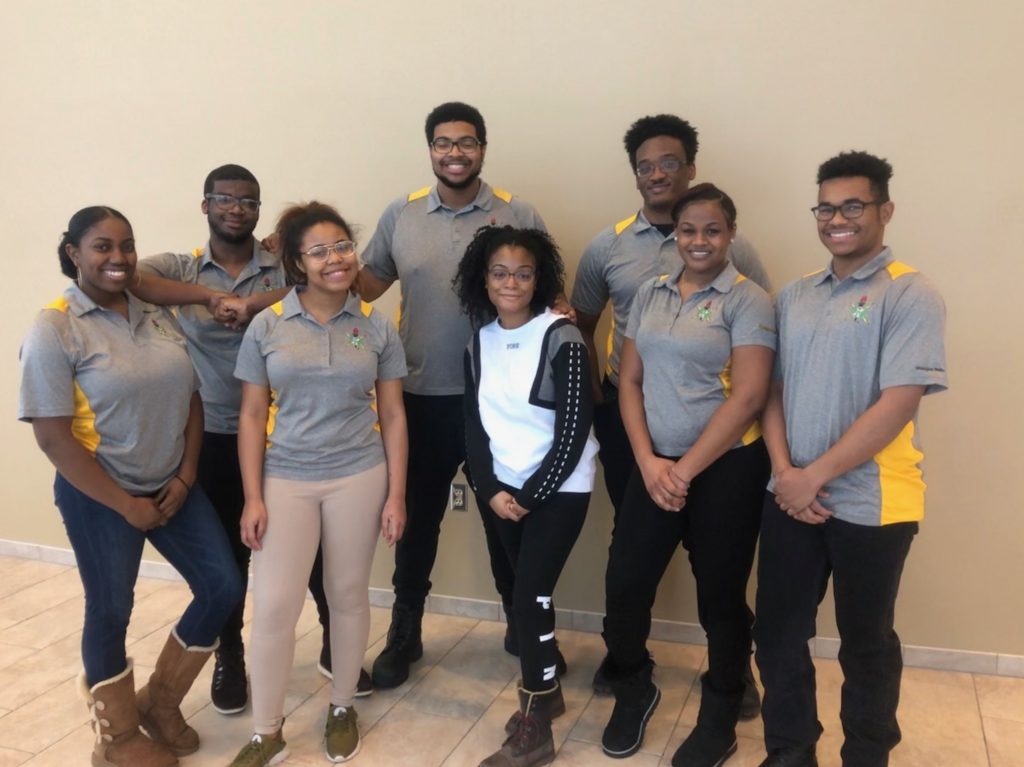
[615,452]
[865,563]
[537,547]
[437,448]
[221,479]
[718,527]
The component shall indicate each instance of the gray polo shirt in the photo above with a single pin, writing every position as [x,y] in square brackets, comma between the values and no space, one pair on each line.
[686,349]
[420,241]
[840,344]
[625,256]
[126,384]
[213,346]
[323,420]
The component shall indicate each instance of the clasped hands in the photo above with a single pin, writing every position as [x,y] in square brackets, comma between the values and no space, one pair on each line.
[229,309]
[798,493]
[505,506]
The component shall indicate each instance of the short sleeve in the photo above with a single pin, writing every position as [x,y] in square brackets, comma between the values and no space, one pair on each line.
[391,362]
[170,266]
[590,291]
[752,319]
[913,347]
[47,373]
[250,365]
[377,255]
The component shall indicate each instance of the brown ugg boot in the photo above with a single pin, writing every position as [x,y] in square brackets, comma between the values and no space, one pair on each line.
[176,669]
[531,744]
[115,720]
[550,703]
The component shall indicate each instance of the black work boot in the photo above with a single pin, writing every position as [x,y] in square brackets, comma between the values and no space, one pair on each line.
[228,690]
[713,740]
[791,756]
[750,707]
[404,646]
[636,697]
[551,704]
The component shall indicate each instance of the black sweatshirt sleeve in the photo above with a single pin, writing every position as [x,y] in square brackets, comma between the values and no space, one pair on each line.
[574,412]
[478,444]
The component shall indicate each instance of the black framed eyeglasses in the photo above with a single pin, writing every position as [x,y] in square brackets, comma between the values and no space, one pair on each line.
[665,165]
[850,209]
[500,274]
[228,201]
[466,144]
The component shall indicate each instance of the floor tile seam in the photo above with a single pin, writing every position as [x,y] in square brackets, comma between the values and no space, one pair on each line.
[981,719]
[36,615]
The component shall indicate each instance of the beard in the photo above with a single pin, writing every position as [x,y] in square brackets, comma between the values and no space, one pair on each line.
[232,238]
[467,182]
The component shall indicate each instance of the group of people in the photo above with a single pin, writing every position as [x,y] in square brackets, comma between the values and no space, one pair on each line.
[275,413]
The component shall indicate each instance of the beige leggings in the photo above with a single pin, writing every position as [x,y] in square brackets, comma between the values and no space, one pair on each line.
[345,514]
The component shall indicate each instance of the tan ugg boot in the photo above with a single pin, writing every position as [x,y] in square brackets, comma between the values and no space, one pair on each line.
[115,720]
[159,701]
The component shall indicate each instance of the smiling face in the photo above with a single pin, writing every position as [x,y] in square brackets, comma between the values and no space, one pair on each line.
[334,273]
[703,235]
[457,169]
[511,281]
[661,190]
[234,224]
[105,258]
[853,242]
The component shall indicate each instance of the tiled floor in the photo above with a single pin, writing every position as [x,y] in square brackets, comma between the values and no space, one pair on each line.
[452,709]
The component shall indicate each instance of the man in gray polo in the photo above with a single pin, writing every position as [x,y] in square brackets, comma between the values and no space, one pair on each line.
[662,150]
[419,240]
[860,343]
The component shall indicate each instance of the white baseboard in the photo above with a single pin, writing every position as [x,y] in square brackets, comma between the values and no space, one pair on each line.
[941,659]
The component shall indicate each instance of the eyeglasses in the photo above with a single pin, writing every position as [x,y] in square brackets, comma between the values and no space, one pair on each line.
[466,144]
[227,202]
[665,165]
[501,274]
[850,209]
[341,247]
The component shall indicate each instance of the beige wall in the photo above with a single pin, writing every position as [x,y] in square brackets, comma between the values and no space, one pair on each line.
[105,103]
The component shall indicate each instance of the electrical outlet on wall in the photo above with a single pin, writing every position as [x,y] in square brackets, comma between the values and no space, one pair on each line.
[457,497]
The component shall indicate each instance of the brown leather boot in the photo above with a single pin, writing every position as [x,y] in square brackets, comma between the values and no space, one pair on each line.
[176,669]
[532,743]
[115,720]
[550,703]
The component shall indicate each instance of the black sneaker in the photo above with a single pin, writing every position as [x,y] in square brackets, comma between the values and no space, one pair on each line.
[363,687]
[228,690]
[404,647]
[791,756]
[702,748]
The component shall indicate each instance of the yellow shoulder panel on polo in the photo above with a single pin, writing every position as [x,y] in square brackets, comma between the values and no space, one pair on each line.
[83,423]
[197,253]
[897,269]
[501,194]
[418,194]
[277,308]
[625,224]
[365,308]
[60,304]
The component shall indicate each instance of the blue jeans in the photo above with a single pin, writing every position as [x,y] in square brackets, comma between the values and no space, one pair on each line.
[108,551]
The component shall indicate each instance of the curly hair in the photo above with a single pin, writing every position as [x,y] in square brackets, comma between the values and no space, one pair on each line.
[876,170]
[706,193]
[456,111]
[292,227]
[661,125]
[470,283]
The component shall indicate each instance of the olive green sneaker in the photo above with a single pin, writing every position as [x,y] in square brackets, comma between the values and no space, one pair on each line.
[261,751]
[341,736]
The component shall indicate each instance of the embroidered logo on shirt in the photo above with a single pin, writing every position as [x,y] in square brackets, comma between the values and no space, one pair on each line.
[159,328]
[355,339]
[704,312]
[859,310]
[267,287]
